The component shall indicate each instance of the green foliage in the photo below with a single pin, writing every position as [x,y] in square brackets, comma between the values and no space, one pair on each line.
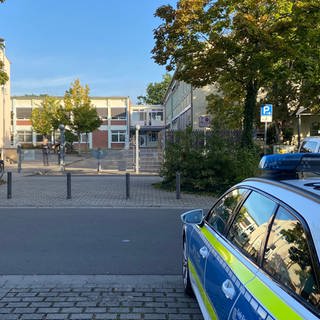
[156,91]
[84,117]
[212,167]
[41,121]
[225,107]
[3,76]
[78,115]
[49,116]
[245,43]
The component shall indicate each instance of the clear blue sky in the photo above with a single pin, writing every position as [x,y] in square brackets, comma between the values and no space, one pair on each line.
[104,43]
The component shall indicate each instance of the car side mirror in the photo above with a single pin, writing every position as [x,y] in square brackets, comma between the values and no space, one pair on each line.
[193,217]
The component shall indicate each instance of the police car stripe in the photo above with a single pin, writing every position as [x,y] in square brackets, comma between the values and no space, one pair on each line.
[273,303]
[254,291]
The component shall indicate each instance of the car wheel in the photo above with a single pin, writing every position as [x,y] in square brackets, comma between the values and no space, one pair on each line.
[185,271]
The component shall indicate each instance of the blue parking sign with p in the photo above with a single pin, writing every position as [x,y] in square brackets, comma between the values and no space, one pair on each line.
[266,110]
[266,113]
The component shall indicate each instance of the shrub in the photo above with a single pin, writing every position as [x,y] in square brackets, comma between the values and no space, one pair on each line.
[207,167]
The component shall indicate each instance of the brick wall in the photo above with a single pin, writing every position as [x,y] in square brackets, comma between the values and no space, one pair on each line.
[100,139]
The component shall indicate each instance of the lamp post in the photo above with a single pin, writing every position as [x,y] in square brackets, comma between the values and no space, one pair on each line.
[298,114]
[2,46]
[137,148]
[62,143]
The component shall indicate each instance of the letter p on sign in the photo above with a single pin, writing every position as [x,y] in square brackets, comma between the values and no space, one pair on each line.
[266,113]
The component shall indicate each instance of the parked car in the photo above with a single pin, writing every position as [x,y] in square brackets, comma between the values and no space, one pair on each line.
[255,254]
[310,144]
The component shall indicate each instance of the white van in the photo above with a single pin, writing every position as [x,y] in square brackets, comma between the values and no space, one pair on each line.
[310,144]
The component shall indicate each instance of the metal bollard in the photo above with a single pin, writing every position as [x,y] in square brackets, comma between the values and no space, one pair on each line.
[9,185]
[127,186]
[68,185]
[178,196]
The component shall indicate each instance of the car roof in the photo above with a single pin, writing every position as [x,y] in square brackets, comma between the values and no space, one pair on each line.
[316,138]
[302,195]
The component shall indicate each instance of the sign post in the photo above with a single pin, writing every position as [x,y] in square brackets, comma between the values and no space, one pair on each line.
[266,116]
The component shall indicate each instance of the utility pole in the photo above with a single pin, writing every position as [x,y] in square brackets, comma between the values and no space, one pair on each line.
[2,46]
[137,148]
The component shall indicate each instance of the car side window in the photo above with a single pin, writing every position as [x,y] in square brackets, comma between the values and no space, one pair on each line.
[221,212]
[308,146]
[249,228]
[287,257]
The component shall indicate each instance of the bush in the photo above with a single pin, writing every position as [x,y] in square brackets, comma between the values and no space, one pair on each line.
[210,167]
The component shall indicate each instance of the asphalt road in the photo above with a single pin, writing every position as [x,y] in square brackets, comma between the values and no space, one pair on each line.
[55,241]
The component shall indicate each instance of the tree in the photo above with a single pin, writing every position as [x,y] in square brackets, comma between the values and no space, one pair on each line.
[41,121]
[241,42]
[84,117]
[225,106]
[156,91]
[3,76]
[49,116]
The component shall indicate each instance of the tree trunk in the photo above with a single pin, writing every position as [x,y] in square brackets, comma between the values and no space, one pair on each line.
[249,107]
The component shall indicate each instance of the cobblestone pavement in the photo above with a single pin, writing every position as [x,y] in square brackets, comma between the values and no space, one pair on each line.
[95,191]
[95,297]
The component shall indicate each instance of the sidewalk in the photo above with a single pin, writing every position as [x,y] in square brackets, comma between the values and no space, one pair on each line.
[46,186]
[95,297]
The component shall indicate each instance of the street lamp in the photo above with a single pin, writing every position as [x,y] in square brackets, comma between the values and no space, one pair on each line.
[137,148]
[2,47]
[62,143]
[298,114]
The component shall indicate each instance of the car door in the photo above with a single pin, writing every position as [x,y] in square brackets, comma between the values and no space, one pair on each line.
[198,254]
[234,252]
[286,287]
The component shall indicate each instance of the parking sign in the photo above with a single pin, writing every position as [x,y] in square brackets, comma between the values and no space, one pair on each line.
[266,113]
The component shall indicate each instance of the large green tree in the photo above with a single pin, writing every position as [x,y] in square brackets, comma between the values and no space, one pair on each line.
[84,117]
[156,91]
[47,118]
[231,41]
[41,121]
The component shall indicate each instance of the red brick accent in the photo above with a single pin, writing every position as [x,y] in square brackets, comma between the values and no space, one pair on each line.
[100,139]
[117,145]
[24,123]
[118,122]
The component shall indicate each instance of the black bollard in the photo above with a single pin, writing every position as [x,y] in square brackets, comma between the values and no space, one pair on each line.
[9,185]
[68,185]
[127,186]
[178,196]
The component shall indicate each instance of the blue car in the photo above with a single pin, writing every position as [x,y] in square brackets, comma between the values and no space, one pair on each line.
[255,254]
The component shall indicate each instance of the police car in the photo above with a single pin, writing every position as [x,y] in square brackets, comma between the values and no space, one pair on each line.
[255,254]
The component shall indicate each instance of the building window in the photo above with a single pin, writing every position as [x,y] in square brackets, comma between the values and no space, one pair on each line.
[118,136]
[39,138]
[138,115]
[23,113]
[118,113]
[102,113]
[157,115]
[84,138]
[24,136]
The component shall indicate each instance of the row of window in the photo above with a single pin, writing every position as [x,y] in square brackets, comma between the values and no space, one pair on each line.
[116,113]
[283,252]
[26,136]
